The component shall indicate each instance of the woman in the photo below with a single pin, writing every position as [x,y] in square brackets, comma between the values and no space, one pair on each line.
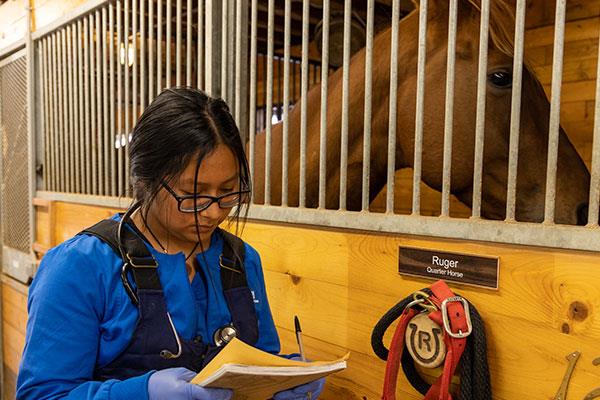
[131,307]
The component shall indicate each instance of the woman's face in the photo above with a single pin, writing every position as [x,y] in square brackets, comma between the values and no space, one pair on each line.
[218,174]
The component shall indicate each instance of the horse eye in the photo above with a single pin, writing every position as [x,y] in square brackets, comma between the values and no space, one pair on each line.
[501,79]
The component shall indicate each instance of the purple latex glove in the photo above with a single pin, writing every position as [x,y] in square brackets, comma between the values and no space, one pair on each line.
[173,384]
[301,392]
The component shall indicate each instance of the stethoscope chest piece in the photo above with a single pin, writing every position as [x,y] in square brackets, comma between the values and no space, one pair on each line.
[224,335]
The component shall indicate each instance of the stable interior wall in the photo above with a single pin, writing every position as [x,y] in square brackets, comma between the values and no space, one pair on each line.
[341,282]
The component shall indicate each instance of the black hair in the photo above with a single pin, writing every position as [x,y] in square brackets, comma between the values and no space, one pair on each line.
[179,124]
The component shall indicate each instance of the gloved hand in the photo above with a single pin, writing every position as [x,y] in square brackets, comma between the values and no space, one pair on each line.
[301,392]
[173,384]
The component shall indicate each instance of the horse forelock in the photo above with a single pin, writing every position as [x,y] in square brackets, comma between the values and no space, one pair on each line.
[502,25]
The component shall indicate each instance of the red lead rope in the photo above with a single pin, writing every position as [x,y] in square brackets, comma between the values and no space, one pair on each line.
[458,325]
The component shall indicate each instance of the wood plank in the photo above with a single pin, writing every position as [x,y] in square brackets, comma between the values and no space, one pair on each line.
[576,91]
[541,12]
[13,343]
[14,308]
[75,217]
[573,70]
[574,30]
[10,383]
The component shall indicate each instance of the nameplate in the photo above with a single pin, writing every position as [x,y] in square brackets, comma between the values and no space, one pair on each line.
[462,268]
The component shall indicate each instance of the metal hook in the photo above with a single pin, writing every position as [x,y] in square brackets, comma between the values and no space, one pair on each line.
[166,353]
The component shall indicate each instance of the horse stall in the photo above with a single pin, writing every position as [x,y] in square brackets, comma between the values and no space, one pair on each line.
[462,128]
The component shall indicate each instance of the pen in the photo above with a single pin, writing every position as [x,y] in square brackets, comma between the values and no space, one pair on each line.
[300,346]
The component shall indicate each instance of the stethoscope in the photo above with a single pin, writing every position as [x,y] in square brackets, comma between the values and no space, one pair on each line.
[222,335]
[166,354]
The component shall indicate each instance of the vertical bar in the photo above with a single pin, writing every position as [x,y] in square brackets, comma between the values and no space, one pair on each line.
[105,111]
[200,40]
[269,104]
[230,37]
[86,105]
[71,117]
[595,172]
[54,114]
[159,60]
[47,126]
[391,162]
[323,130]
[224,60]
[178,43]
[127,124]
[93,131]
[82,101]
[120,130]
[554,128]
[143,55]
[208,48]
[253,63]
[345,105]
[151,51]
[449,112]
[515,111]
[64,124]
[134,74]
[188,54]
[99,132]
[238,62]
[480,116]
[304,101]
[422,54]
[168,68]
[286,99]
[75,98]
[111,61]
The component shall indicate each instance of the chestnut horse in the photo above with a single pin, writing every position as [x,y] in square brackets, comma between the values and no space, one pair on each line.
[572,181]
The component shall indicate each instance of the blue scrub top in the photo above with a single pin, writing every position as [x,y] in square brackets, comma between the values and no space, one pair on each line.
[80,316]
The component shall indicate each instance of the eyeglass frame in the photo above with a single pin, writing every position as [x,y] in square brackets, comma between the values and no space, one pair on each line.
[213,199]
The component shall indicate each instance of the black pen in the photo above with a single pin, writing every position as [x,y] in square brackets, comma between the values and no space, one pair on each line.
[300,346]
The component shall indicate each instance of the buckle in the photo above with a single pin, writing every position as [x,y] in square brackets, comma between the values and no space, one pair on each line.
[446,318]
[130,261]
[223,265]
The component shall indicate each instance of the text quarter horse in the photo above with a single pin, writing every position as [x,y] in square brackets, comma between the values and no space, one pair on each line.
[572,181]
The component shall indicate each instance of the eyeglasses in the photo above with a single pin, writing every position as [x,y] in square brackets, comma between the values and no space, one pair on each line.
[196,203]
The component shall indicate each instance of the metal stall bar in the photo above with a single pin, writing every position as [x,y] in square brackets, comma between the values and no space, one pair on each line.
[224,60]
[151,51]
[323,129]
[391,172]
[208,48]
[515,111]
[168,68]
[94,131]
[105,127]
[178,43]
[269,93]
[420,109]
[554,128]
[230,37]
[143,78]
[188,54]
[119,137]
[99,117]
[159,61]
[286,100]
[80,141]
[253,61]
[111,62]
[62,109]
[76,99]
[345,104]
[54,115]
[448,117]
[368,106]
[125,136]
[47,118]
[480,113]
[200,40]
[238,65]
[72,120]
[304,101]
[134,74]
[595,171]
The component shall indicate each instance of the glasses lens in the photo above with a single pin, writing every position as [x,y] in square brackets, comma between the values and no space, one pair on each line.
[189,205]
[230,200]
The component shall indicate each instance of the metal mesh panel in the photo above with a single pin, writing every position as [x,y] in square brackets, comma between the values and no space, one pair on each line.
[13,128]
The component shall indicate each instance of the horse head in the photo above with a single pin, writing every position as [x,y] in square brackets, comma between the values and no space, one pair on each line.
[572,180]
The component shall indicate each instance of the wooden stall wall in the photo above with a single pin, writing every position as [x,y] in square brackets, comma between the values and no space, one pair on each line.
[340,283]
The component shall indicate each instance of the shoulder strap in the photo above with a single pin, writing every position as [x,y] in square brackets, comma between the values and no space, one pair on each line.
[136,255]
[233,273]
